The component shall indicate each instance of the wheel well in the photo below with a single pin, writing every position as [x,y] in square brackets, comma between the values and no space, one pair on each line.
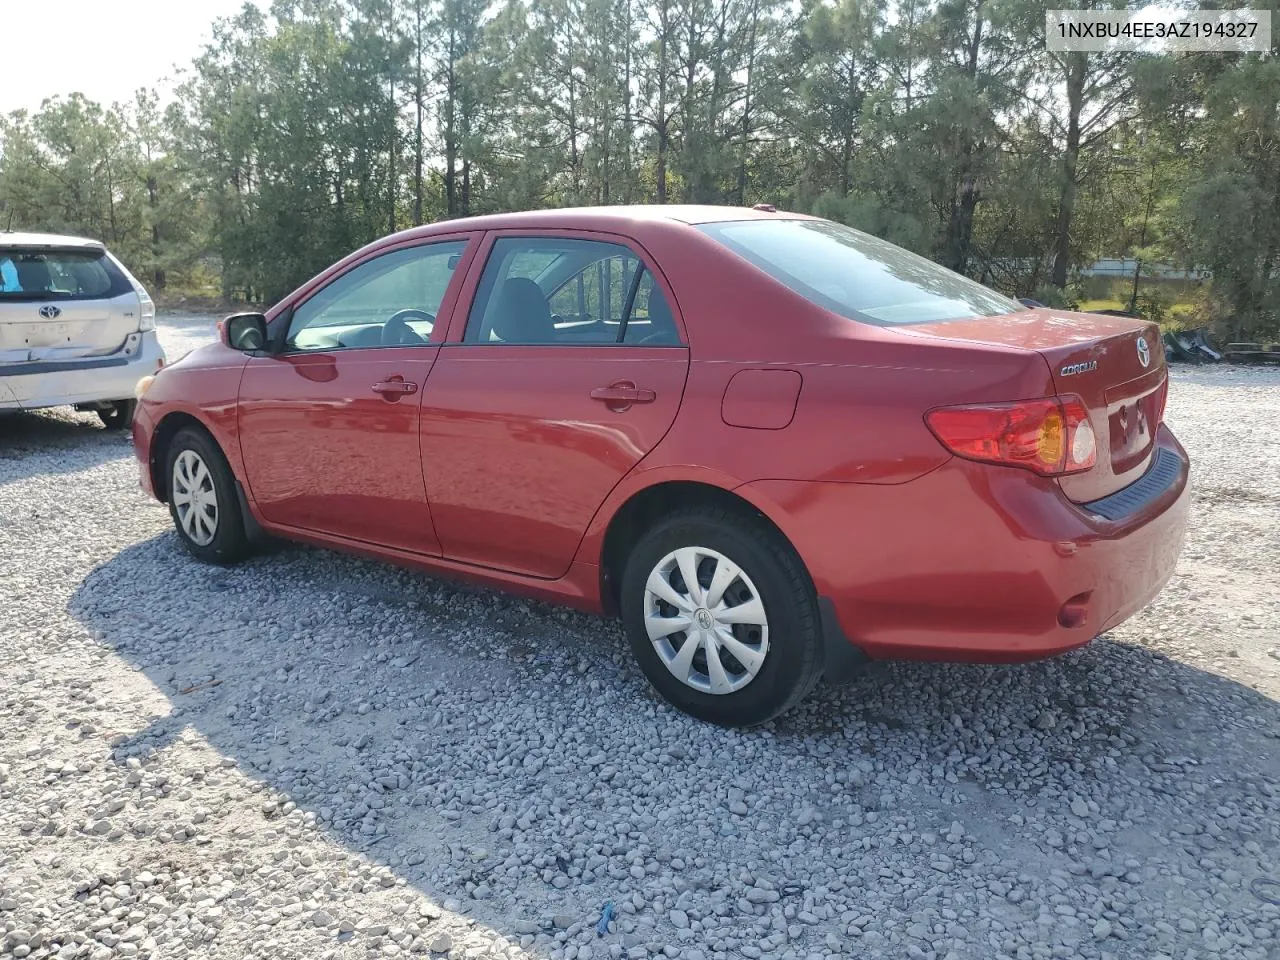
[646,508]
[164,433]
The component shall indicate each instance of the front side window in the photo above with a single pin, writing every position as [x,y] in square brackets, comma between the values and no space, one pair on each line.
[59,275]
[857,275]
[542,290]
[390,300]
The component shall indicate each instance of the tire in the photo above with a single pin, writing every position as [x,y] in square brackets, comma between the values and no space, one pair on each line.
[197,476]
[754,690]
[119,416]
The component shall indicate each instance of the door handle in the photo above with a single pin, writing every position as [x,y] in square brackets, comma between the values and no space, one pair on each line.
[622,393]
[394,388]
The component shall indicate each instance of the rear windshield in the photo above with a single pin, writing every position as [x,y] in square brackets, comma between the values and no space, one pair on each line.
[58,275]
[857,275]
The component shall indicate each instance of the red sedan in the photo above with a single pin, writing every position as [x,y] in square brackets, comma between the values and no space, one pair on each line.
[769,442]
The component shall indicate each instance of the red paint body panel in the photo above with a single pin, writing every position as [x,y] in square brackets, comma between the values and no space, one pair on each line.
[1118,387]
[972,562]
[203,385]
[762,399]
[504,471]
[513,442]
[323,452]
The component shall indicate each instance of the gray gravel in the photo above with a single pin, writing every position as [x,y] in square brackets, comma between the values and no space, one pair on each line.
[312,756]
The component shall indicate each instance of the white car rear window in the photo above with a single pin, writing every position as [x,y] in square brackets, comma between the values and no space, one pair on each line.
[58,275]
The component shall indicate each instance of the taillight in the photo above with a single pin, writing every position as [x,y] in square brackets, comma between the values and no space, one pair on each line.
[1052,436]
[1162,399]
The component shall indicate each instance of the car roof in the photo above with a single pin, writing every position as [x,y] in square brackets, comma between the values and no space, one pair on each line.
[611,217]
[10,238]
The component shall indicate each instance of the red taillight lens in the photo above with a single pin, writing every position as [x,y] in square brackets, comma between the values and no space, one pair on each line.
[1162,399]
[1052,436]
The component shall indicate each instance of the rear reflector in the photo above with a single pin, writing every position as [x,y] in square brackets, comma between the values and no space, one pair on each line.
[1051,436]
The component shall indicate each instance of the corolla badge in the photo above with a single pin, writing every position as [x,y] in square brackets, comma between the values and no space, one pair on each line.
[1071,369]
[50,312]
[1144,352]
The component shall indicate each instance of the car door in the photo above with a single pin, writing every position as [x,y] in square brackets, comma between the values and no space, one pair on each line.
[570,370]
[329,425]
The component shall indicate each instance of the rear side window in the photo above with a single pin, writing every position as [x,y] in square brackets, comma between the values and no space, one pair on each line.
[857,275]
[567,291]
[59,275]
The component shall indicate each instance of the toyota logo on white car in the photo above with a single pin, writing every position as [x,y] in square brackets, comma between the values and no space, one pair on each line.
[50,312]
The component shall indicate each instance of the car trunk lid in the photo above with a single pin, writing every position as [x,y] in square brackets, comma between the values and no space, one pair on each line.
[1115,365]
[68,329]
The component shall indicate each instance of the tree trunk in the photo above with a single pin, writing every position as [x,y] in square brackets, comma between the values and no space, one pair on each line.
[450,132]
[418,111]
[626,111]
[745,144]
[575,165]
[1077,64]
[153,201]
[391,96]
[964,201]
[660,168]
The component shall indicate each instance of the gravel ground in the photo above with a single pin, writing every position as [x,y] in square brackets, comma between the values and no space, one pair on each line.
[311,756]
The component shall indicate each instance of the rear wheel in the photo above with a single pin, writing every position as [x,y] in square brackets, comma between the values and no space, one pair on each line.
[119,415]
[202,499]
[722,617]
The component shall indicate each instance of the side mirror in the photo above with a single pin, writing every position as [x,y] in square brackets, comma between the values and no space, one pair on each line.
[246,332]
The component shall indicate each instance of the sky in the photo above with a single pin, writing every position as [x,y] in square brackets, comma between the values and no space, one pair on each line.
[105,49]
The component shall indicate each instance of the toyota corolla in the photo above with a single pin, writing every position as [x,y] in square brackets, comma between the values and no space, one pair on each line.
[772,444]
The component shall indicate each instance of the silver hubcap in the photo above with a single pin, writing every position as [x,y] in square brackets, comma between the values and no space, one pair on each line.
[706,620]
[194,498]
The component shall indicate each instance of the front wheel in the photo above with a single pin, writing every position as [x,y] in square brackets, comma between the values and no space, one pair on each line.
[202,499]
[722,617]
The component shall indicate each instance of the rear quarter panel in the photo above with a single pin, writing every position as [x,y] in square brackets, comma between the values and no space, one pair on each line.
[859,416]
[864,389]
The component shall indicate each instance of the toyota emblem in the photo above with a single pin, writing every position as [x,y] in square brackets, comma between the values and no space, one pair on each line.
[50,312]
[1144,352]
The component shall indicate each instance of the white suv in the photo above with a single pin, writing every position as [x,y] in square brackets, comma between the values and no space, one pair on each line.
[75,327]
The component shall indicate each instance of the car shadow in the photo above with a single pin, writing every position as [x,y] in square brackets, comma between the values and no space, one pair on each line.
[337,678]
[58,440]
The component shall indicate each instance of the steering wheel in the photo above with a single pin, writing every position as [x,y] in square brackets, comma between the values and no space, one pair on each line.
[397,330]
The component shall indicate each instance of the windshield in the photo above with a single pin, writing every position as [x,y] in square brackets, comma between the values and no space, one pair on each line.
[857,275]
[58,275]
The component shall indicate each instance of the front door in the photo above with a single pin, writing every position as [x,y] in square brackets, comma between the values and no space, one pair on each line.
[571,369]
[329,426]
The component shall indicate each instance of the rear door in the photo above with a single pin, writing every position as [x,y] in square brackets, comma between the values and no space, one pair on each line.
[329,426]
[59,305]
[549,398]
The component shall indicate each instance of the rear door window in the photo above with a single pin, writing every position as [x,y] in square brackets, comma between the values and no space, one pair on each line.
[58,275]
[552,290]
[857,275]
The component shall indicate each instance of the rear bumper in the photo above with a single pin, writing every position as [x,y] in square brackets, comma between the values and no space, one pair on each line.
[977,563]
[32,386]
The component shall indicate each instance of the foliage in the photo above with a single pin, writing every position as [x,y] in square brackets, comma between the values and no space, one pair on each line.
[942,125]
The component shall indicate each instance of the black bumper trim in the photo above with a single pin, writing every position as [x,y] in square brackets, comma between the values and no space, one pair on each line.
[842,660]
[61,366]
[1163,473]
